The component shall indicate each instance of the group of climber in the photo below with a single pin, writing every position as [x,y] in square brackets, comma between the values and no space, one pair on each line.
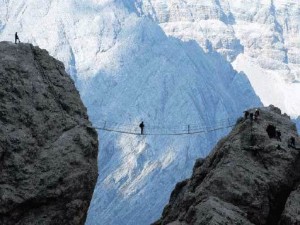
[252,116]
[272,131]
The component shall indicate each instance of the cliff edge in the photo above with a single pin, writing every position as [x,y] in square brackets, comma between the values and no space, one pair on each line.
[250,178]
[48,153]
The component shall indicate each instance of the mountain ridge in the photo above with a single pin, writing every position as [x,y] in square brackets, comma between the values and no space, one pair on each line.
[249,178]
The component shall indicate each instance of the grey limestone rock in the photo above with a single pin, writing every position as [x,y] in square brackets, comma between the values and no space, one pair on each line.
[248,179]
[48,150]
[291,213]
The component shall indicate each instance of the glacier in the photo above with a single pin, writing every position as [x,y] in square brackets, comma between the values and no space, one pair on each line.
[170,64]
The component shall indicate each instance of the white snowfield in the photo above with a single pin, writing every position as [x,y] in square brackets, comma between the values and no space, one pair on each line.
[127,70]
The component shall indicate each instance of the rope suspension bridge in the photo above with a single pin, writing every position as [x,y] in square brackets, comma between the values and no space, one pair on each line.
[158,130]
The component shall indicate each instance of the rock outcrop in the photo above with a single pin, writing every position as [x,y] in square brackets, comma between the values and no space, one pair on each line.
[291,213]
[248,179]
[48,152]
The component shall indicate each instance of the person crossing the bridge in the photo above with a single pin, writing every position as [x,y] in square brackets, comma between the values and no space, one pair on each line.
[142,127]
[17,39]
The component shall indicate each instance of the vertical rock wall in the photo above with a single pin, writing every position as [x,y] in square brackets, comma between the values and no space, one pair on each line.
[48,153]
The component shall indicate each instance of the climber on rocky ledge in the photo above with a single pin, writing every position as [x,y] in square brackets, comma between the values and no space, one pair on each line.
[251,117]
[17,39]
[246,114]
[256,114]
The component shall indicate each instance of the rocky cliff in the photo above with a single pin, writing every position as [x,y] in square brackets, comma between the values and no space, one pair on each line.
[249,178]
[48,153]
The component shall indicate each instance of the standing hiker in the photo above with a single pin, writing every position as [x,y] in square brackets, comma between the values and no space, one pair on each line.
[246,114]
[17,39]
[256,114]
[142,127]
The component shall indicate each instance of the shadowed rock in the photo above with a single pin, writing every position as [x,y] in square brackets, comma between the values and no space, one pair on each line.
[291,213]
[248,179]
[48,155]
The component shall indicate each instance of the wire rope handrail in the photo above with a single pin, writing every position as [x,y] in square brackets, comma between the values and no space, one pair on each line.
[164,131]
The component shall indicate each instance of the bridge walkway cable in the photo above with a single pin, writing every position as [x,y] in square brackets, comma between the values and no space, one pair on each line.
[193,129]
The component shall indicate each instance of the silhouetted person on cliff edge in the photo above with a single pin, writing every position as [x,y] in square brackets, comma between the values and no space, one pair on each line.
[17,39]
[142,128]
[246,114]
[251,116]
[256,114]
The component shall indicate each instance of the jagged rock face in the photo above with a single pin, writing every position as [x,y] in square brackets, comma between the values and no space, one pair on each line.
[48,153]
[247,179]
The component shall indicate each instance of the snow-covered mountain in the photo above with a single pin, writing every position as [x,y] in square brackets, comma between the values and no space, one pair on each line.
[259,37]
[127,70]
